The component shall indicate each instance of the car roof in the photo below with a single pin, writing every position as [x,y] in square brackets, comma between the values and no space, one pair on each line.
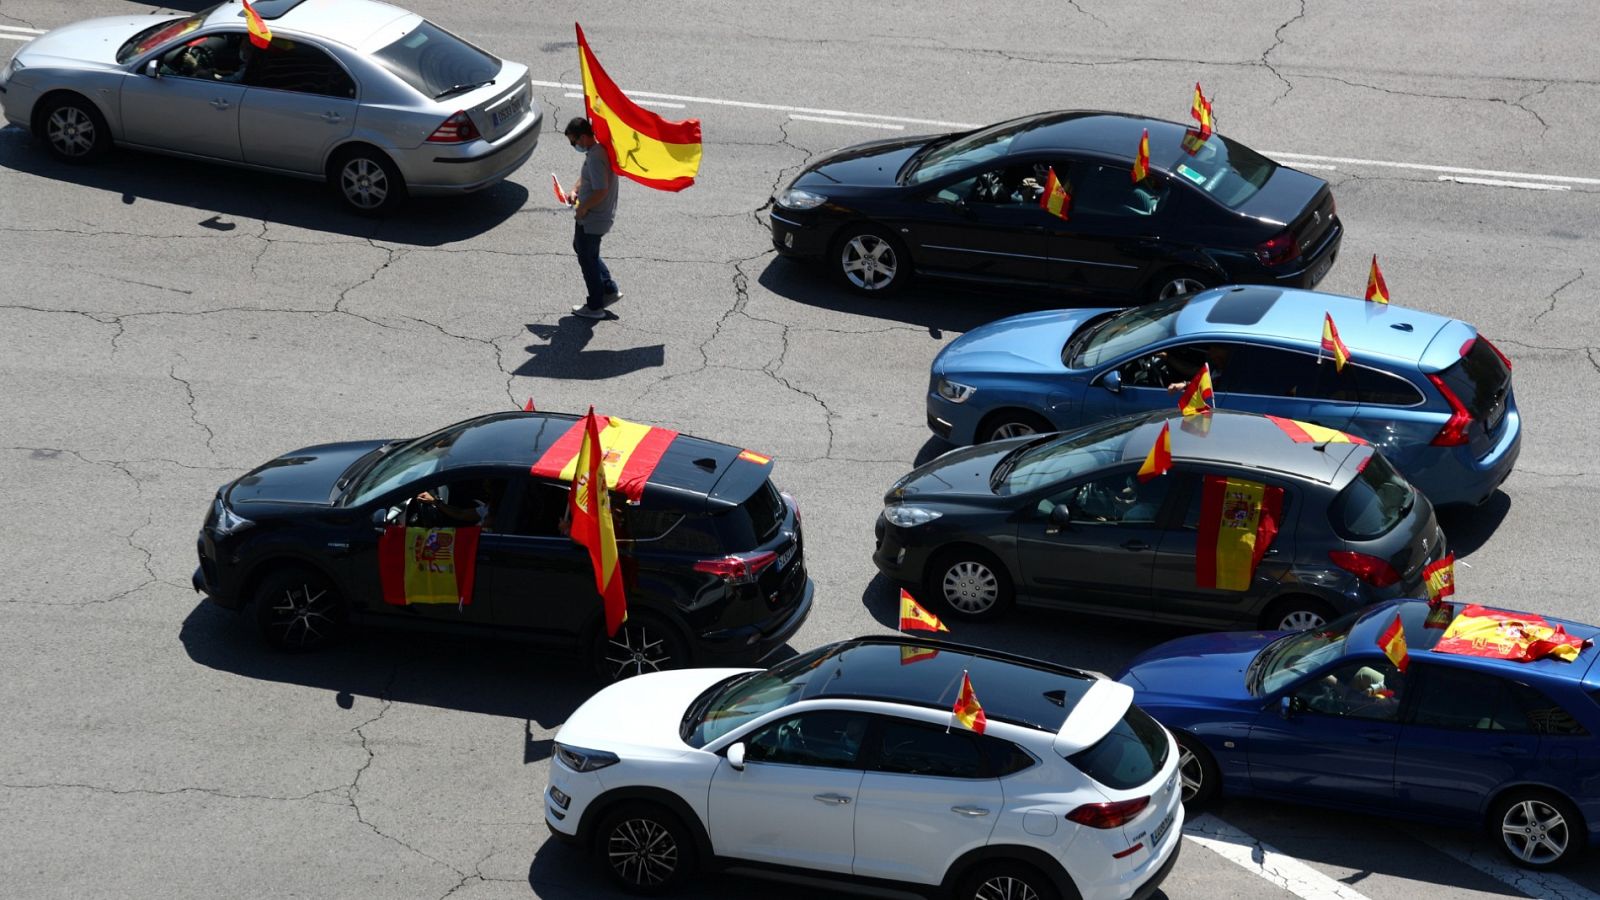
[1372,331]
[349,22]
[1245,440]
[1420,639]
[1101,132]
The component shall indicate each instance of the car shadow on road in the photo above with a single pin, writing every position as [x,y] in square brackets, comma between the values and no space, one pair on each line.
[563,354]
[563,872]
[220,194]
[1466,529]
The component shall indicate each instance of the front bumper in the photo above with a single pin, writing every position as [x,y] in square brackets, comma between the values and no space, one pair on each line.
[897,558]
[436,169]
[797,233]
[207,577]
[954,422]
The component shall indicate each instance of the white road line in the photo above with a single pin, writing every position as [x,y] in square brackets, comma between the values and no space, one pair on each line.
[1454,170]
[1266,861]
[745,104]
[17,37]
[640,102]
[22,30]
[1317,166]
[1496,182]
[1535,884]
[855,122]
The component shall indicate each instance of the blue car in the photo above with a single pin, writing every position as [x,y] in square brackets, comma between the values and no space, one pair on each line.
[1429,391]
[1323,717]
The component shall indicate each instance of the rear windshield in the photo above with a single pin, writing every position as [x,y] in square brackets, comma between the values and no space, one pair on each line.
[753,523]
[158,34]
[1128,756]
[1229,171]
[1373,503]
[1479,380]
[433,61]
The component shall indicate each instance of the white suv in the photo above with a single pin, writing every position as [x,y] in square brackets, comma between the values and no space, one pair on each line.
[843,763]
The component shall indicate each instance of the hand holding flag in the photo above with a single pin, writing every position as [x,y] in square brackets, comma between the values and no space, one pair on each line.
[914,618]
[1196,399]
[561,196]
[1377,290]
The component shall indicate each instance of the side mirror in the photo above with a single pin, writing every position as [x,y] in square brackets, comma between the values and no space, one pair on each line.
[736,756]
[152,68]
[1060,517]
[1112,381]
[1289,706]
[387,516]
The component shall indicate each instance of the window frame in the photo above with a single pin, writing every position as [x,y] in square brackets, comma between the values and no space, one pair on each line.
[355,83]
[857,765]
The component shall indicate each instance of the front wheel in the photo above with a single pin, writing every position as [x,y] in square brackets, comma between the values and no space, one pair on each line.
[643,643]
[1011,424]
[367,181]
[644,848]
[972,584]
[74,131]
[1538,830]
[1006,881]
[871,262]
[298,609]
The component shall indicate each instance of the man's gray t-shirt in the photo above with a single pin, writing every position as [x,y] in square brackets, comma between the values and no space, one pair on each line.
[597,174]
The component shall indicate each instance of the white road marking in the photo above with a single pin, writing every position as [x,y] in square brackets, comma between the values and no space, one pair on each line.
[1266,861]
[1454,170]
[17,37]
[1496,182]
[640,102]
[21,30]
[855,122]
[1318,166]
[1535,884]
[745,104]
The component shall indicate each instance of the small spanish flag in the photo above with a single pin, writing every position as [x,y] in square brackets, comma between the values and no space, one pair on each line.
[968,711]
[1377,290]
[260,34]
[1440,579]
[914,618]
[1141,162]
[1332,344]
[555,185]
[1393,644]
[1057,197]
[651,150]
[1196,399]
[910,654]
[1159,459]
[1200,111]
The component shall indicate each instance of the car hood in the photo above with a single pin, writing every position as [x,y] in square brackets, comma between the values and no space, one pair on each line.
[867,165]
[1202,666]
[89,41]
[1031,342]
[960,472]
[640,715]
[303,476]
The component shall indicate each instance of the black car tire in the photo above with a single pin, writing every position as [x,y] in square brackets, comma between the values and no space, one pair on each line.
[1538,829]
[1198,773]
[1173,282]
[970,583]
[645,642]
[644,848]
[367,181]
[1296,613]
[73,130]
[1006,880]
[886,266]
[299,609]
[1010,423]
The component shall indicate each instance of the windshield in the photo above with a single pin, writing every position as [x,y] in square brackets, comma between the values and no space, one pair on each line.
[1289,658]
[423,456]
[434,61]
[744,699]
[160,33]
[977,147]
[1227,170]
[1373,503]
[1046,463]
[1127,331]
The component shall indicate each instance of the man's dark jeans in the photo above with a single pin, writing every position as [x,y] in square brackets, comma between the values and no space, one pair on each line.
[596,277]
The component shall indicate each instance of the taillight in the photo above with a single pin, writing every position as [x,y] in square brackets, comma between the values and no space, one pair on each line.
[1490,344]
[1370,569]
[1454,432]
[1278,250]
[1108,815]
[458,129]
[737,569]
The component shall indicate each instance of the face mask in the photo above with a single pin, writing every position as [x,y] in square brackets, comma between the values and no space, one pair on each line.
[579,148]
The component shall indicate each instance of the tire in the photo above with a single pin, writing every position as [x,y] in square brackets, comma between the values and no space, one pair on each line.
[1296,614]
[73,130]
[870,261]
[1010,423]
[1174,282]
[644,849]
[970,583]
[298,609]
[1538,829]
[1006,881]
[1198,772]
[367,182]
[645,643]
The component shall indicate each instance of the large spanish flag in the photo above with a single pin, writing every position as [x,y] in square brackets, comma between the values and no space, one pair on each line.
[1307,433]
[914,618]
[968,711]
[1196,399]
[1393,644]
[1238,520]
[643,146]
[1440,579]
[1200,111]
[629,452]
[427,565]
[1057,197]
[1159,459]
[1502,634]
[590,502]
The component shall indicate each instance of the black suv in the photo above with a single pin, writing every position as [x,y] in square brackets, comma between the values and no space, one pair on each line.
[711,554]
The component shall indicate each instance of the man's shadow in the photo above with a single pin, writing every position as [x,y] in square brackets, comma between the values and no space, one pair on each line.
[563,354]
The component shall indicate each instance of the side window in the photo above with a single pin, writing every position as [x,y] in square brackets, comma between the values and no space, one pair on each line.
[1375,387]
[1116,499]
[1269,372]
[692,534]
[1473,701]
[1173,367]
[917,748]
[1106,190]
[1017,186]
[214,57]
[288,65]
[829,738]
[1359,690]
[458,502]
[542,510]
[1545,715]
[635,523]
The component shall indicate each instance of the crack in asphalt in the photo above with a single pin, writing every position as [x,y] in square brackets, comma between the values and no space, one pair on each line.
[121,280]
[1552,296]
[1277,41]
[1514,104]
[194,414]
[10,18]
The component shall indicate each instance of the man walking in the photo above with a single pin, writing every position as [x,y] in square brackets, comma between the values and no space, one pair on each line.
[596,208]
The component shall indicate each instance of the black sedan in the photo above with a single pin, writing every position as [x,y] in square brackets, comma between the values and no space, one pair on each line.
[711,554]
[966,206]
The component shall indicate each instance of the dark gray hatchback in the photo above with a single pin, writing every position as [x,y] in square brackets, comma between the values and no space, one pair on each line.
[1061,521]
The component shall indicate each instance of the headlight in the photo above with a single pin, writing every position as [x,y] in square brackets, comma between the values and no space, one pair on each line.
[580,760]
[954,391]
[229,522]
[909,516]
[794,198]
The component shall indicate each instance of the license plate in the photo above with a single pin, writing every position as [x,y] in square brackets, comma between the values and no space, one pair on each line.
[788,554]
[1161,830]
[511,111]
[1319,271]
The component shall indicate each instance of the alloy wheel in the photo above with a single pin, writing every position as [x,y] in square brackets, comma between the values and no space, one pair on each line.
[364,182]
[1011,430]
[1005,887]
[1179,286]
[636,649]
[642,852]
[303,616]
[1535,832]
[1301,620]
[869,262]
[70,131]
[1190,772]
[971,587]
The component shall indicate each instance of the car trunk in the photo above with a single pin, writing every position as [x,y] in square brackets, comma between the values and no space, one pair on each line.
[499,108]
[1381,515]
[1304,202]
[1479,380]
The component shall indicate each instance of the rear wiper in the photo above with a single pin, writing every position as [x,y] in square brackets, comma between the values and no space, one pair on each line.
[459,88]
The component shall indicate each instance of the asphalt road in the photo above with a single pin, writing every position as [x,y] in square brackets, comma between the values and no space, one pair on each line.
[165,326]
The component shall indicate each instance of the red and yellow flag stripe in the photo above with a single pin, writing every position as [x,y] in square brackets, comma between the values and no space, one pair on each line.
[1502,634]
[1238,520]
[653,151]
[1141,160]
[1440,579]
[1057,197]
[1159,459]
[1307,433]
[260,34]
[914,618]
[427,565]
[1332,343]
[630,452]
[590,502]
[1393,644]
[1377,289]
[968,711]
[1200,111]
[1196,399]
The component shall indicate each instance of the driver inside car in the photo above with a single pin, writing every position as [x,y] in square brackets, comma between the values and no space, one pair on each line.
[214,57]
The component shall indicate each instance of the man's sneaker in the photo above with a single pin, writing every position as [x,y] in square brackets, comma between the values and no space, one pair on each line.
[585,312]
[609,299]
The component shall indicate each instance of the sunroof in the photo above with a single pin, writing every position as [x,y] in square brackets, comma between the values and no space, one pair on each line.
[1243,305]
[271,9]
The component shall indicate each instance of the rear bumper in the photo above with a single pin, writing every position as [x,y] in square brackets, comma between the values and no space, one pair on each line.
[1154,881]
[1450,476]
[442,169]
[759,640]
[1307,271]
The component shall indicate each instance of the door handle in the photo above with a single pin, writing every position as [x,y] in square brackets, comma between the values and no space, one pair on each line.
[332,117]
[1511,750]
[1377,737]
[971,811]
[835,799]
[1271,551]
[1135,544]
[219,103]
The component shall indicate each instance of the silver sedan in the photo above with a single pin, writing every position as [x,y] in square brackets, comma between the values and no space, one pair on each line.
[377,101]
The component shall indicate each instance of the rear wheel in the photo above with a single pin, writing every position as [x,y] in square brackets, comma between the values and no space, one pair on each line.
[1538,829]
[1198,772]
[1296,614]
[644,848]
[1006,881]
[971,583]
[869,261]
[299,609]
[367,181]
[73,130]
[1012,423]
[644,643]
[1176,282]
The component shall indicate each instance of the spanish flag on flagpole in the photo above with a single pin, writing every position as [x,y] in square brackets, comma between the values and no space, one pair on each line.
[1159,459]
[1332,343]
[643,146]
[1200,111]
[590,502]
[260,34]
[968,711]
[1196,399]
[914,618]
[1377,289]
[1440,579]
[1141,162]
[1393,644]
[1057,197]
